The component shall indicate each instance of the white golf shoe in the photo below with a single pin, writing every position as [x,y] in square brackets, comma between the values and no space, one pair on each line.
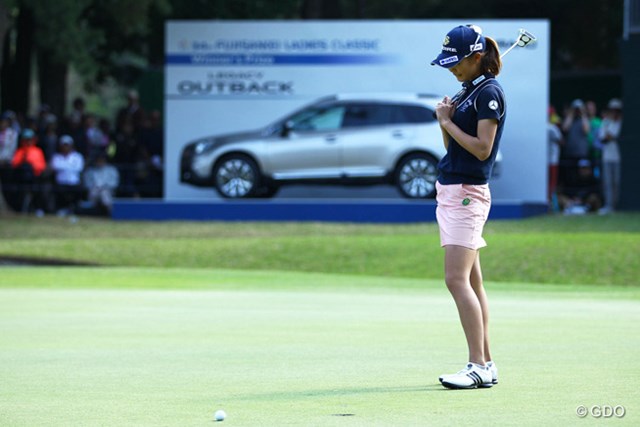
[472,376]
[494,372]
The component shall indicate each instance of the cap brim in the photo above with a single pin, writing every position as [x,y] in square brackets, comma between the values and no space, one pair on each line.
[446,60]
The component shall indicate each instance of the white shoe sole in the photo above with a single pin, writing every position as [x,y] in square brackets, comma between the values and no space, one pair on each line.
[471,387]
[494,382]
[455,386]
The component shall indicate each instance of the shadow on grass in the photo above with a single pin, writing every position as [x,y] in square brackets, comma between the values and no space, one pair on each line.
[287,395]
[42,262]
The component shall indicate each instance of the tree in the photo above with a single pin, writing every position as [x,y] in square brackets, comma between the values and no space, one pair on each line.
[16,63]
[118,39]
[96,37]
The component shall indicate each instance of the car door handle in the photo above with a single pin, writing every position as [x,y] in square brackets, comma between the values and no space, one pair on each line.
[397,134]
[330,138]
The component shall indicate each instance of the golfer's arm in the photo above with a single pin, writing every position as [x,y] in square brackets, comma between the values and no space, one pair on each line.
[480,146]
[445,138]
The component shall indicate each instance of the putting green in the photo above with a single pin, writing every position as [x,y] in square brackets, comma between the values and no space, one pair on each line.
[315,350]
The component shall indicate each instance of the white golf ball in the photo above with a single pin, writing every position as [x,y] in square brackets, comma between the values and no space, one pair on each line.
[220,415]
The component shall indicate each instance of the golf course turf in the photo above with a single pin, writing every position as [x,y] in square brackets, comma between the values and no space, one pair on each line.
[146,345]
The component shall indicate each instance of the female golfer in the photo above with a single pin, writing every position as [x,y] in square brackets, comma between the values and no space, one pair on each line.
[471,123]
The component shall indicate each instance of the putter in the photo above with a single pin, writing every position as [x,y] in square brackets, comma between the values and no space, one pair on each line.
[524,38]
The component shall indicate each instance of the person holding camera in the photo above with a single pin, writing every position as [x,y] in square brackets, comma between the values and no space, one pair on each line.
[577,128]
[611,159]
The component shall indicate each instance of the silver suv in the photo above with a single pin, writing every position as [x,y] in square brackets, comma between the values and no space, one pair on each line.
[342,139]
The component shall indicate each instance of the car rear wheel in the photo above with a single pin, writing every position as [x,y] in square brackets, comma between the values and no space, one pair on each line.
[236,176]
[416,176]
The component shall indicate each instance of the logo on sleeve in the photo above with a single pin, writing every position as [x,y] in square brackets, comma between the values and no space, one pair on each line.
[493,104]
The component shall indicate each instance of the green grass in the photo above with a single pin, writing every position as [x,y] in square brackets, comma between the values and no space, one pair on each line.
[569,250]
[168,347]
[301,323]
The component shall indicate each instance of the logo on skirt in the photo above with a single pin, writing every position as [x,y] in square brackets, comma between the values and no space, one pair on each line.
[466,201]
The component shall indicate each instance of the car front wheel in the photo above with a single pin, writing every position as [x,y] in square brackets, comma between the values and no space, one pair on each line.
[416,176]
[236,176]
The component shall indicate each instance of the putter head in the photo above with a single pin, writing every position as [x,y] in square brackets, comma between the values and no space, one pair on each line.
[525,37]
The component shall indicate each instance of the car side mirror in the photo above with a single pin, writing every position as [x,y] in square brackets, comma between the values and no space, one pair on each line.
[286,128]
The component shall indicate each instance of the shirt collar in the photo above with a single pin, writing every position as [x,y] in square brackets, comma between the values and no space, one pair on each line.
[471,84]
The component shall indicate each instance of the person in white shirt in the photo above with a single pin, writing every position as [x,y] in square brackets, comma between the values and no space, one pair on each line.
[609,134]
[101,180]
[67,166]
[8,141]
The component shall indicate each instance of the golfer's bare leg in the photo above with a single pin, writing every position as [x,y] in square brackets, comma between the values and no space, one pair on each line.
[458,263]
[478,288]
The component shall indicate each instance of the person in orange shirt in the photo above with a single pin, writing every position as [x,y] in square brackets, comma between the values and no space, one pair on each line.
[29,154]
[29,165]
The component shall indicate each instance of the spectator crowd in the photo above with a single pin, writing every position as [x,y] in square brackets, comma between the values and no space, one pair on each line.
[584,157]
[77,164]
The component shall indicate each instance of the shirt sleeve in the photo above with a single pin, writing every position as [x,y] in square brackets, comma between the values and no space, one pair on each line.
[78,163]
[55,162]
[18,158]
[490,103]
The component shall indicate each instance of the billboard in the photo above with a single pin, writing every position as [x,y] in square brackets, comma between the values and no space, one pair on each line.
[234,76]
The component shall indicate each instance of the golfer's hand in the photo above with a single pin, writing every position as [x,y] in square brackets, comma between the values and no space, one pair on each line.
[445,110]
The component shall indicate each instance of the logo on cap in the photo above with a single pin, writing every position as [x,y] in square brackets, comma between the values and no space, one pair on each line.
[446,41]
[448,60]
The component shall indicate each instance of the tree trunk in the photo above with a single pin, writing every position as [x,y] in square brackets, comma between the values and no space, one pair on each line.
[21,77]
[5,26]
[7,71]
[53,83]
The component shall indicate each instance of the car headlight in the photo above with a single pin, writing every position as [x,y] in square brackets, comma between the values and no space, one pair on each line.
[203,146]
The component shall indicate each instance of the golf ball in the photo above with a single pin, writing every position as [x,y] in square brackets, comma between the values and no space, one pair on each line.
[220,415]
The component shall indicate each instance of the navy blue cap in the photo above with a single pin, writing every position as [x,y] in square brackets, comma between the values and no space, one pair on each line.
[459,43]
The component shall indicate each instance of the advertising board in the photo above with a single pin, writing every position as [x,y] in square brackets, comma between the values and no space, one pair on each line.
[224,77]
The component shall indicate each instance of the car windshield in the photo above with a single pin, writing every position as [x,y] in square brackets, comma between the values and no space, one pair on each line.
[318,119]
[304,112]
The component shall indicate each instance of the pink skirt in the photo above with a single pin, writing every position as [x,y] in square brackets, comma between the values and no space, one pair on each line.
[462,212]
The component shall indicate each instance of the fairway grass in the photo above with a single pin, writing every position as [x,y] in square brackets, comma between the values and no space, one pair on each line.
[596,250]
[168,347]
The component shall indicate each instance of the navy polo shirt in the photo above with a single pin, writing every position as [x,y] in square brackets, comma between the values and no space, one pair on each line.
[482,98]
